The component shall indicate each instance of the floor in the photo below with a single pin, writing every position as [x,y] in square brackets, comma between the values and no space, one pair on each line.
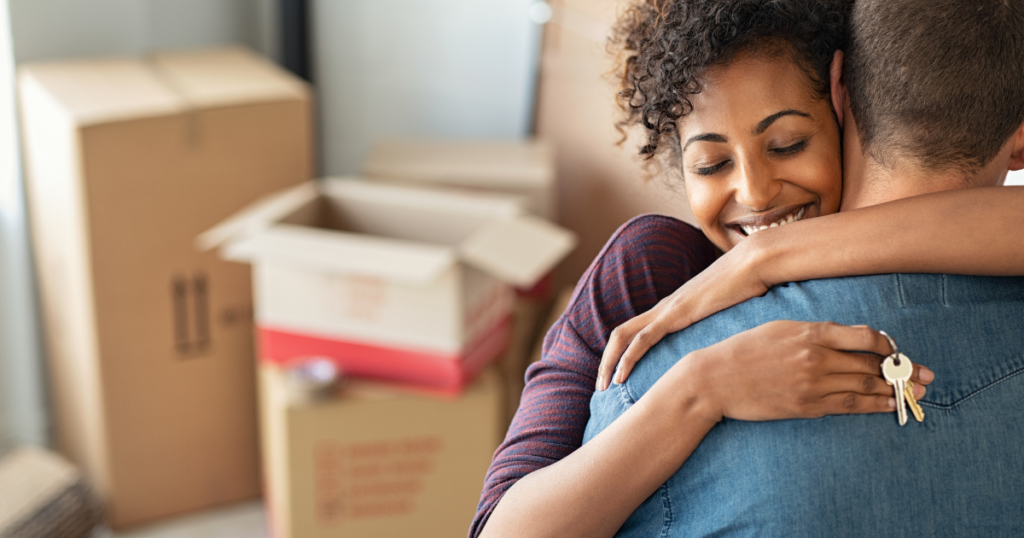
[239,521]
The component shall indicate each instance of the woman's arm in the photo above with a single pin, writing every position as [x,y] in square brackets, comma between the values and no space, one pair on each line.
[783,369]
[967,231]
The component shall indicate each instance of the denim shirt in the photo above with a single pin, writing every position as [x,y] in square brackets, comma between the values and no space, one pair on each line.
[960,473]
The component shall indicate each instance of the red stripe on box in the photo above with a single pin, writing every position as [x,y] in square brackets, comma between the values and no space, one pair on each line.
[445,372]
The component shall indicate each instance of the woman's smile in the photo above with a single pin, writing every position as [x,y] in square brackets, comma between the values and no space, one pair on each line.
[751,225]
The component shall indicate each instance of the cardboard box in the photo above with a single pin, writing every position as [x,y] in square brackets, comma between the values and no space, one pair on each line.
[525,168]
[44,497]
[376,461]
[150,343]
[393,282]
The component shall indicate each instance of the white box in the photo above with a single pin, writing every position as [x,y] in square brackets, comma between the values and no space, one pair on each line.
[525,168]
[390,281]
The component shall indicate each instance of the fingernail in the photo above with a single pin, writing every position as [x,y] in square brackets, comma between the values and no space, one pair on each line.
[892,403]
[926,375]
[919,391]
[599,385]
[617,375]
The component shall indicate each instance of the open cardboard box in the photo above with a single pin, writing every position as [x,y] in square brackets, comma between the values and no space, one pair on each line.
[393,282]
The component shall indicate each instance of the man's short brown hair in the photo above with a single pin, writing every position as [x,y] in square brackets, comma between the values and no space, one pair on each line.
[936,82]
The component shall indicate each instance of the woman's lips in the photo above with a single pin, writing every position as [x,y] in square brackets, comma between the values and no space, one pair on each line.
[748,227]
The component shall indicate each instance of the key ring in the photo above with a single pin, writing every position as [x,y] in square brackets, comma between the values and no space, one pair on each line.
[895,349]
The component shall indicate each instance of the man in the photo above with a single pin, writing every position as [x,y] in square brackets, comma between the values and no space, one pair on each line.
[922,119]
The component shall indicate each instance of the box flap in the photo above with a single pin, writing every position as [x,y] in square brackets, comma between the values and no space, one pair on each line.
[94,92]
[228,76]
[258,216]
[467,163]
[519,250]
[345,253]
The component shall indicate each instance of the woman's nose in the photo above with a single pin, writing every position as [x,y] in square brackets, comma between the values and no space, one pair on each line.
[755,185]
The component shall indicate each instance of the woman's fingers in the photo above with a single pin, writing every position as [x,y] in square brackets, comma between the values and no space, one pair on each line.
[852,403]
[850,338]
[863,338]
[642,342]
[618,341]
[922,375]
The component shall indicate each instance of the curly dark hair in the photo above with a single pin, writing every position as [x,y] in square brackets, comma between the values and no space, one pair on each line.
[666,48]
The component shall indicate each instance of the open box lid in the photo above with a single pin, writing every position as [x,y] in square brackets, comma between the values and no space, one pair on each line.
[502,241]
[337,252]
[519,250]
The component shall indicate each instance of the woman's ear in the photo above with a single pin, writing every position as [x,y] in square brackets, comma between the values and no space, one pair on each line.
[837,87]
[1017,153]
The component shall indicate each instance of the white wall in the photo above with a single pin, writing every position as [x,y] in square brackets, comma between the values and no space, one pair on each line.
[452,68]
[22,405]
[1015,178]
[64,28]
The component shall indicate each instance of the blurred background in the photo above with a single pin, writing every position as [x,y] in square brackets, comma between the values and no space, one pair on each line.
[276,267]
[129,127]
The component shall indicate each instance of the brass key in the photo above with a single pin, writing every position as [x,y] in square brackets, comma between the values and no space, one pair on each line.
[915,407]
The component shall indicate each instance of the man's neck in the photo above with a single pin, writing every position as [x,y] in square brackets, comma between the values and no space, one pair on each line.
[875,184]
[867,182]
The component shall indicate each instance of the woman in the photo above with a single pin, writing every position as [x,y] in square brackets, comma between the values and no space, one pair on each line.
[730,51]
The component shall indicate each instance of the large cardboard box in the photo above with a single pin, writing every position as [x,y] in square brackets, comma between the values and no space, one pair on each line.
[376,461]
[525,168]
[394,282]
[149,342]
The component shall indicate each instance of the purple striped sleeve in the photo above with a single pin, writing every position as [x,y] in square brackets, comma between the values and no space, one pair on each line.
[646,259]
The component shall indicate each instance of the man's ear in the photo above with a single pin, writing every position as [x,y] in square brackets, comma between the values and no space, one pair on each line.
[1017,153]
[837,86]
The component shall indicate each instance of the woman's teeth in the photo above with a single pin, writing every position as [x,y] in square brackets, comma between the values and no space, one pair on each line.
[792,217]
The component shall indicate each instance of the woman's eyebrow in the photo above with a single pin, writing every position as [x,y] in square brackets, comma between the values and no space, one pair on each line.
[763,125]
[704,137]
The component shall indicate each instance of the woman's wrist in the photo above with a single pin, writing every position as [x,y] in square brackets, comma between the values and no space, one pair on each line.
[763,256]
[690,383]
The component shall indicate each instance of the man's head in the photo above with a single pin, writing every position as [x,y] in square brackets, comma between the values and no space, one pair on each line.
[936,86]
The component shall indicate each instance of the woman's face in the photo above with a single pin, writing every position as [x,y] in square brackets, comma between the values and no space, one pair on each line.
[759,149]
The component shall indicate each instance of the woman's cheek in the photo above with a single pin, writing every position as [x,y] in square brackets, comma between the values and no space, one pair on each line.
[707,201]
[829,185]
[700,197]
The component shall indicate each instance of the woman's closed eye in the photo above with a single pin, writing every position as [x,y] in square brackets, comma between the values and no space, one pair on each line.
[790,149]
[710,170]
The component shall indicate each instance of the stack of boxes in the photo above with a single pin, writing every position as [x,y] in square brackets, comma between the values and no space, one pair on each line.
[399,284]
[149,180]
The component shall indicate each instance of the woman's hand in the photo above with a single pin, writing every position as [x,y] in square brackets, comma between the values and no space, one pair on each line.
[732,279]
[794,369]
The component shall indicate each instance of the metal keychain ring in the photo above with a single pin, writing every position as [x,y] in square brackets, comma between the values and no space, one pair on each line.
[895,349]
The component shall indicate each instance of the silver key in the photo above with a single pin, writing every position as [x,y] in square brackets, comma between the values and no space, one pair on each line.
[897,369]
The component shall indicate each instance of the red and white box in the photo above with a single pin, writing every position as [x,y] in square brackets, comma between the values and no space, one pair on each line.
[391,282]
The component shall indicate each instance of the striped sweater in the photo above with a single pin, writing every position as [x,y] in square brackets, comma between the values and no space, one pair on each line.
[647,259]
